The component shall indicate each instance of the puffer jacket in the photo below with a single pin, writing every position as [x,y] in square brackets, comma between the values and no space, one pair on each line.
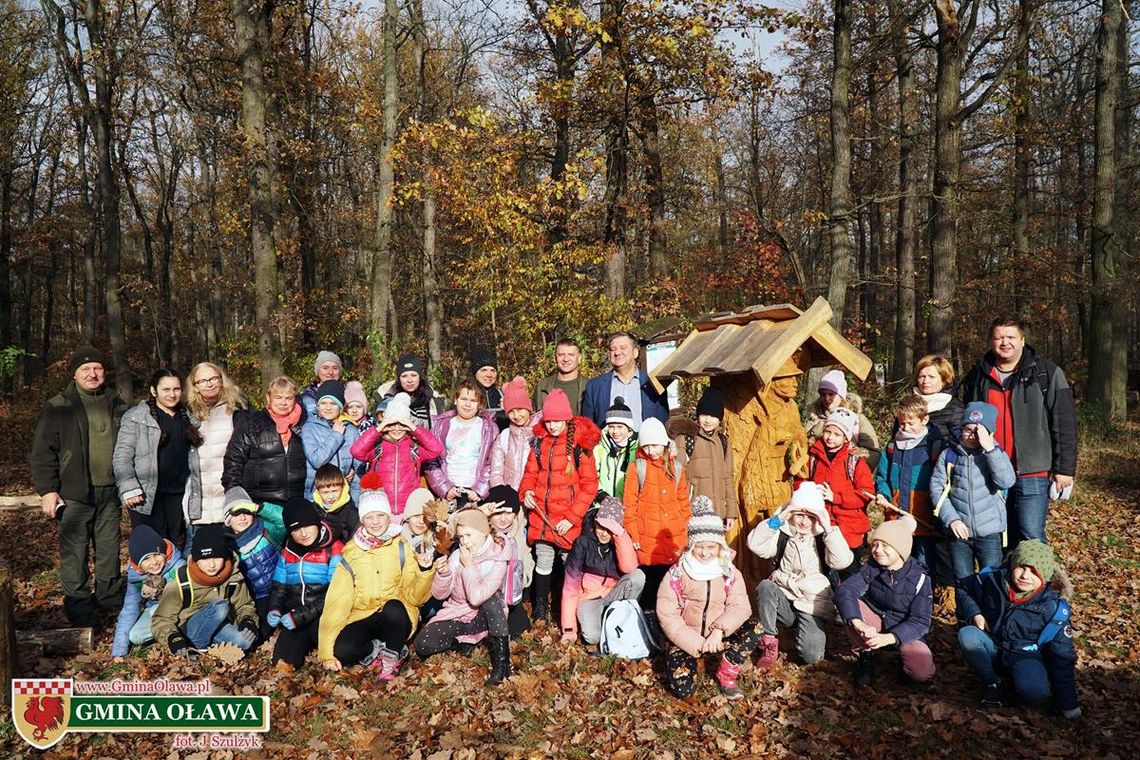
[365,581]
[709,469]
[560,496]
[593,568]
[903,477]
[902,598]
[799,573]
[341,516]
[977,480]
[138,598]
[256,460]
[687,618]
[170,616]
[512,447]
[848,508]
[657,512]
[867,438]
[613,463]
[136,457]
[323,445]
[303,575]
[436,469]
[259,548]
[399,463]
[205,495]
[465,589]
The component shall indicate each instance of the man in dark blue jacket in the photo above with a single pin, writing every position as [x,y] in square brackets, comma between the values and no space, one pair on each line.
[627,381]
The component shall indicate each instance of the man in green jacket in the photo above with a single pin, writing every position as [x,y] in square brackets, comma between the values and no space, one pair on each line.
[71,469]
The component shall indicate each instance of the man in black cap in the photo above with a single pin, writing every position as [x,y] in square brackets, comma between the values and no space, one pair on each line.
[71,469]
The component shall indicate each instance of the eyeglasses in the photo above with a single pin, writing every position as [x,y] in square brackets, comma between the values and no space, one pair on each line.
[207,381]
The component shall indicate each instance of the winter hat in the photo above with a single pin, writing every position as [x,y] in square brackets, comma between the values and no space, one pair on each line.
[300,513]
[481,357]
[835,382]
[237,500]
[210,542]
[85,354]
[557,407]
[611,515]
[473,517]
[1035,554]
[414,506]
[981,413]
[619,413]
[846,421]
[807,498]
[372,496]
[898,533]
[515,395]
[506,497]
[143,542]
[409,363]
[326,356]
[652,433]
[399,410]
[354,391]
[332,389]
[711,403]
[705,524]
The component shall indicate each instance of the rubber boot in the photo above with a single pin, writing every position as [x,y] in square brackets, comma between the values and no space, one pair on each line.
[769,651]
[726,676]
[864,670]
[500,651]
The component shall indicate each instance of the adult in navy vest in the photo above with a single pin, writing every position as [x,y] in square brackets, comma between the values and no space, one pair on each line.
[625,380]
[1036,424]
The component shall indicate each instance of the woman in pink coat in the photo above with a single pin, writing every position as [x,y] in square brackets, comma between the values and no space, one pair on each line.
[470,582]
[702,607]
[396,450]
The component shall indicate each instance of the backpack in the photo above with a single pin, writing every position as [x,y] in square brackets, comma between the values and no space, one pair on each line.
[852,463]
[691,442]
[951,460]
[624,632]
[641,467]
[186,588]
[782,546]
[536,447]
[675,584]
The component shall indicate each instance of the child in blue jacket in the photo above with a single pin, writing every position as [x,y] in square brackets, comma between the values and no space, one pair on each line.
[1016,625]
[257,533]
[304,571]
[153,562]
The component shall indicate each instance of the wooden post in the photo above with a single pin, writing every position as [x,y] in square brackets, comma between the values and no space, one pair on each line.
[7,635]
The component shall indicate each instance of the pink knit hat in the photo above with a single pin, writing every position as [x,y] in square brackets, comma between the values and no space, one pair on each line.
[515,395]
[556,407]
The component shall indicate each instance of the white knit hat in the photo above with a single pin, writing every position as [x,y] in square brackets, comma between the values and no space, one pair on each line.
[807,498]
[398,411]
[652,433]
[417,499]
[846,421]
[372,496]
[835,382]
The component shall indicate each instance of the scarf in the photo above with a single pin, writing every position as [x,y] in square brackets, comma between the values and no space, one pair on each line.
[212,581]
[368,542]
[703,571]
[285,424]
[340,501]
[935,401]
[905,441]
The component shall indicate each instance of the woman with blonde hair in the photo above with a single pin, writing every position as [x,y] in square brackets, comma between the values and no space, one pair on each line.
[265,455]
[215,403]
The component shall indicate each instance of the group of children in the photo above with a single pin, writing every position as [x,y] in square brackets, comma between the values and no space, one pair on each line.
[373,565]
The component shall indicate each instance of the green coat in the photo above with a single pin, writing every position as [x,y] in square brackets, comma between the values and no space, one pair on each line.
[59,450]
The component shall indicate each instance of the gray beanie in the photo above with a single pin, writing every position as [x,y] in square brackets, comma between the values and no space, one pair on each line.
[326,356]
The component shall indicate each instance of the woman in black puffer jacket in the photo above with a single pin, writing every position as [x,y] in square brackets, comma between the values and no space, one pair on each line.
[265,455]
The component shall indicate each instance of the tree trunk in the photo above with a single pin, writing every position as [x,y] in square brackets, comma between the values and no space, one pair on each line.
[383,314]
[839,213]
[5,257]
[1021,149]
[433,311]
[906,236]
[617,148]
[655,182]
[1107,288]
[252,25]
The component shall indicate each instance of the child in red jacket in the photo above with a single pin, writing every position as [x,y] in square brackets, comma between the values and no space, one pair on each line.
[558,486]
[844,479]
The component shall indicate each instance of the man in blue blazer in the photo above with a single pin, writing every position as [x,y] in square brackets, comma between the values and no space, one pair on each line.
[627,381]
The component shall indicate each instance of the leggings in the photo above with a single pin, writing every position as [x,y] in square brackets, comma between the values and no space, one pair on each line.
[442,635]
[390,626]
[544,557]
[165,517]
[680,666]
[292,646]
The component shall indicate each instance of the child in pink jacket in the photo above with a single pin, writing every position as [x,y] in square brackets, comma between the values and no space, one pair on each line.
[396,449]
[512,447]
[472,582]
[702,607]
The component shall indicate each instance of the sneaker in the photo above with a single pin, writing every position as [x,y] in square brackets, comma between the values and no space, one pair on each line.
[726,676]
[993,695]
[387,663]
[769,651]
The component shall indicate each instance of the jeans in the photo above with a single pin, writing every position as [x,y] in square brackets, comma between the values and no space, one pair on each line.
[987,549]
[1027,505]
[1030,679]
[774,607]
[210,625]
[590,611]
[140,632]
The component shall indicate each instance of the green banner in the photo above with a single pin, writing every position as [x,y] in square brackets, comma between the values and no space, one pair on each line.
[157,713]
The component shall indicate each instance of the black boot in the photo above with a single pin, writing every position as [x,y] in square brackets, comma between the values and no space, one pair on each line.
[864,670]
[500,651]
[541,597]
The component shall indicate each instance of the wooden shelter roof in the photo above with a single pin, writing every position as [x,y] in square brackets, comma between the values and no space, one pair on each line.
[763,339]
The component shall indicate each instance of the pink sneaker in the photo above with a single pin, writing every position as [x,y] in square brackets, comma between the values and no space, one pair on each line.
[769,651]
[726,676]
[387,663]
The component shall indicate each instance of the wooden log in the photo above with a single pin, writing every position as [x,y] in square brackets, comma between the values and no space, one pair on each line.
[8,662]
[60,640]
[18,503]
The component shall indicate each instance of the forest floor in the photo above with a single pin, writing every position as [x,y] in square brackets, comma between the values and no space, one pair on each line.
[563,703]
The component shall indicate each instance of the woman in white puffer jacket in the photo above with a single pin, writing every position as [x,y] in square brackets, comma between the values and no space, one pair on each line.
[214,400]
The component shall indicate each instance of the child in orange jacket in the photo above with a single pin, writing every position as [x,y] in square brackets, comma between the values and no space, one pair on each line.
[845,480]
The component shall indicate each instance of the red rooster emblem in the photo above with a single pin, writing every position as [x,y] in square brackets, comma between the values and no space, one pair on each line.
[45,713]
